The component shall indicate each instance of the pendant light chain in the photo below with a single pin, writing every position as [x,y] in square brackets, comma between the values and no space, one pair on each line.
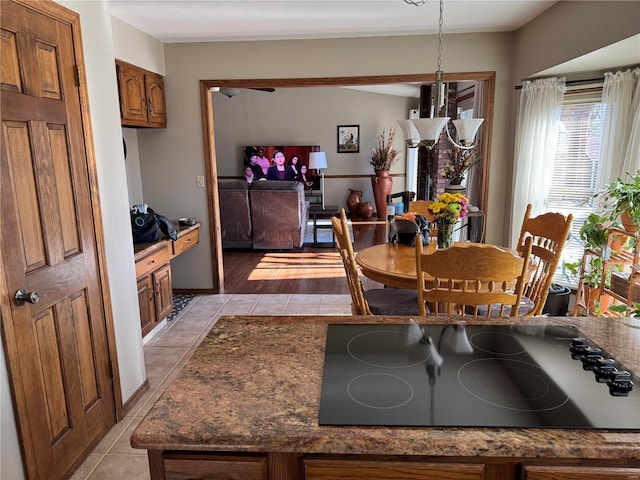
[440,36]
[426,131]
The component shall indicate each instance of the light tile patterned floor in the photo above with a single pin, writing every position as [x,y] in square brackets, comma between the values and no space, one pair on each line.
[166,353]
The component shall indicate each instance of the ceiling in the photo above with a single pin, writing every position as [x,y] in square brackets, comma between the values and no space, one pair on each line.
[172,21]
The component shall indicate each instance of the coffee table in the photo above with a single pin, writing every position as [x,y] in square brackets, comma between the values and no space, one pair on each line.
[316,212]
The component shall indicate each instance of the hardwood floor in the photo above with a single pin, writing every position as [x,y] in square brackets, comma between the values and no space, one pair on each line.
[305,270]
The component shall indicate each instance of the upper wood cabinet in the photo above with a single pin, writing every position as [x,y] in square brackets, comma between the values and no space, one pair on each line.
[141,94]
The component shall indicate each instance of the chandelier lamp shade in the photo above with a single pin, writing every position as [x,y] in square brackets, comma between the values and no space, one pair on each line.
[425,132]
[318,161]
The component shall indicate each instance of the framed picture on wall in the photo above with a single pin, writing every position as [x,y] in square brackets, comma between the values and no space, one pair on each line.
[348,138]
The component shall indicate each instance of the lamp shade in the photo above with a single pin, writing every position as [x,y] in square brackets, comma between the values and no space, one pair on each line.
[317,160]
[430,128]
[410,131]
[467,128]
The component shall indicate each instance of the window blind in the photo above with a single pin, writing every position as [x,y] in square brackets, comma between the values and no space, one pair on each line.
[575,169]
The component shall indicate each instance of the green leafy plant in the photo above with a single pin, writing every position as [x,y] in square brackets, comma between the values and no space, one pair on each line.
[592,272]
[627,310]
[593,231]
[623,197]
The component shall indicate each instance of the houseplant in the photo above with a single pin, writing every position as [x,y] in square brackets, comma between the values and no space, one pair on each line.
[382,157]
[445,211]
[595,232]
[621,200]
[591,278]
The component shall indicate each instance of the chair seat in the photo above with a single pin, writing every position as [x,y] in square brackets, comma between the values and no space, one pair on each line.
[392,301]
[526,306]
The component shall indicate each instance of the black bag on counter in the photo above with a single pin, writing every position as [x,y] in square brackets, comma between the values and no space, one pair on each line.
[146,227]
[166,226]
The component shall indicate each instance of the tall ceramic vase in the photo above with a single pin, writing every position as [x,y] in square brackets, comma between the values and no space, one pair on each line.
[354,200]
[382,183]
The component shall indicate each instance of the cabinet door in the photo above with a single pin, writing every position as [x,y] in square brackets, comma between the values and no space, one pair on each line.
[379,470]
[146,302]
[156,108]
[551,472]
[162,289]
[133,100]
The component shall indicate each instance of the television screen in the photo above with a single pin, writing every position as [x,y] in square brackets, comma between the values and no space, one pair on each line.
[284,162]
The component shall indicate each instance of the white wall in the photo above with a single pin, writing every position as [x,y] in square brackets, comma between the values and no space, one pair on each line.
[103,103]
[132,165]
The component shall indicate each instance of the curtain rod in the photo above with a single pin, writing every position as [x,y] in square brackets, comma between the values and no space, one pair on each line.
[574,82]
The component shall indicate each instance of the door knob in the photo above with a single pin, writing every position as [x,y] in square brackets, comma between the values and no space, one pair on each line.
[23,296]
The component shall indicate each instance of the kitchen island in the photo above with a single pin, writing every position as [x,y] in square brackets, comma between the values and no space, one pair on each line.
[245,406]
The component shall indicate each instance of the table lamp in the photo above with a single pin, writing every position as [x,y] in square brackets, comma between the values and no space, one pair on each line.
[318,160]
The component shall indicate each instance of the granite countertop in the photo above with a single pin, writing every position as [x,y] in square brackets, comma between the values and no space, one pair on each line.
[254,384]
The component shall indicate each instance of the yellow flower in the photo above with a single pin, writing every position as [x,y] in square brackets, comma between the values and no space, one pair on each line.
[449,207]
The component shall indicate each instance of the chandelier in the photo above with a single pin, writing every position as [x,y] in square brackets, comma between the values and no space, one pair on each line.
[426,131]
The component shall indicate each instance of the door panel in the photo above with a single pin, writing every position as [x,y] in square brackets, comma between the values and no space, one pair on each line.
[57,348]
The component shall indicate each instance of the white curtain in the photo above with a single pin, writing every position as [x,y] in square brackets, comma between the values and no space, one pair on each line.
[620,151]
[536,139]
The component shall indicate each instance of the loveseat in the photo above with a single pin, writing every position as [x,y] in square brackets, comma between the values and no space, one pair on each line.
[265,215]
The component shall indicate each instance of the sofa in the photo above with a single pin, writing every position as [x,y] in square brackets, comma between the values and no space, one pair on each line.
[235,214]
[266,215]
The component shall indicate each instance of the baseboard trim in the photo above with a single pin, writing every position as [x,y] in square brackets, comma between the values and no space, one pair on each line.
[137,395]
[195,291]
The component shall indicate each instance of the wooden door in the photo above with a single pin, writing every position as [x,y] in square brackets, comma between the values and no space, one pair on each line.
[133,99]
[57,349]
[157,111]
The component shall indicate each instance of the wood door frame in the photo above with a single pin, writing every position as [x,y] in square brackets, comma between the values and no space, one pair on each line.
[62,14]
[206,103]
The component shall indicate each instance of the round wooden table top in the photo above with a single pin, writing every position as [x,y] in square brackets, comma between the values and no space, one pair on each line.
[394,264]
[391,264]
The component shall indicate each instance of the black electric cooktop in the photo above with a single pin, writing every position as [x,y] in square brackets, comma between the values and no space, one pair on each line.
[474,376]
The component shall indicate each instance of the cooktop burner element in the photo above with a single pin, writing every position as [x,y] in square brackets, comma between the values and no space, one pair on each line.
[474,375]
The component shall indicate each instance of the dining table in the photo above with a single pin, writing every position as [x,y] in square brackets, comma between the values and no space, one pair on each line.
[394,264]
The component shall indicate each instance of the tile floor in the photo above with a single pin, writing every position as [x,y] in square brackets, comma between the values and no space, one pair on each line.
[166,353]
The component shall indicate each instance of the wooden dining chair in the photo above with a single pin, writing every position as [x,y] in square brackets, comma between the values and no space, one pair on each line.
[460,279]
[549,233]
[374,301]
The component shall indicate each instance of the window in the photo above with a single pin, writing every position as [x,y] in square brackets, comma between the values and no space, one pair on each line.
[576,167]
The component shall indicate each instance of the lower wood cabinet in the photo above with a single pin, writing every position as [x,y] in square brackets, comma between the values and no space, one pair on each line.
[219,467]
[553,472]
[155,296]
[380,470]
[183,465]
[153,274]
[146,302]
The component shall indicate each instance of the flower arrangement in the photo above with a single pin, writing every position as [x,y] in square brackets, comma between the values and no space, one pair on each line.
[460,163]
[383,154]
[448,207]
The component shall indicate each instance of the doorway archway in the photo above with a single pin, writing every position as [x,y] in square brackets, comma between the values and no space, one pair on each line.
[206,102]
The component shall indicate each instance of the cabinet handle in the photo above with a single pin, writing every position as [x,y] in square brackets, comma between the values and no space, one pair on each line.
[188,240]
[150,106]
[151,262]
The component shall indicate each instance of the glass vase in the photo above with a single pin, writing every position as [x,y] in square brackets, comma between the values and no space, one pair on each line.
[445,233]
